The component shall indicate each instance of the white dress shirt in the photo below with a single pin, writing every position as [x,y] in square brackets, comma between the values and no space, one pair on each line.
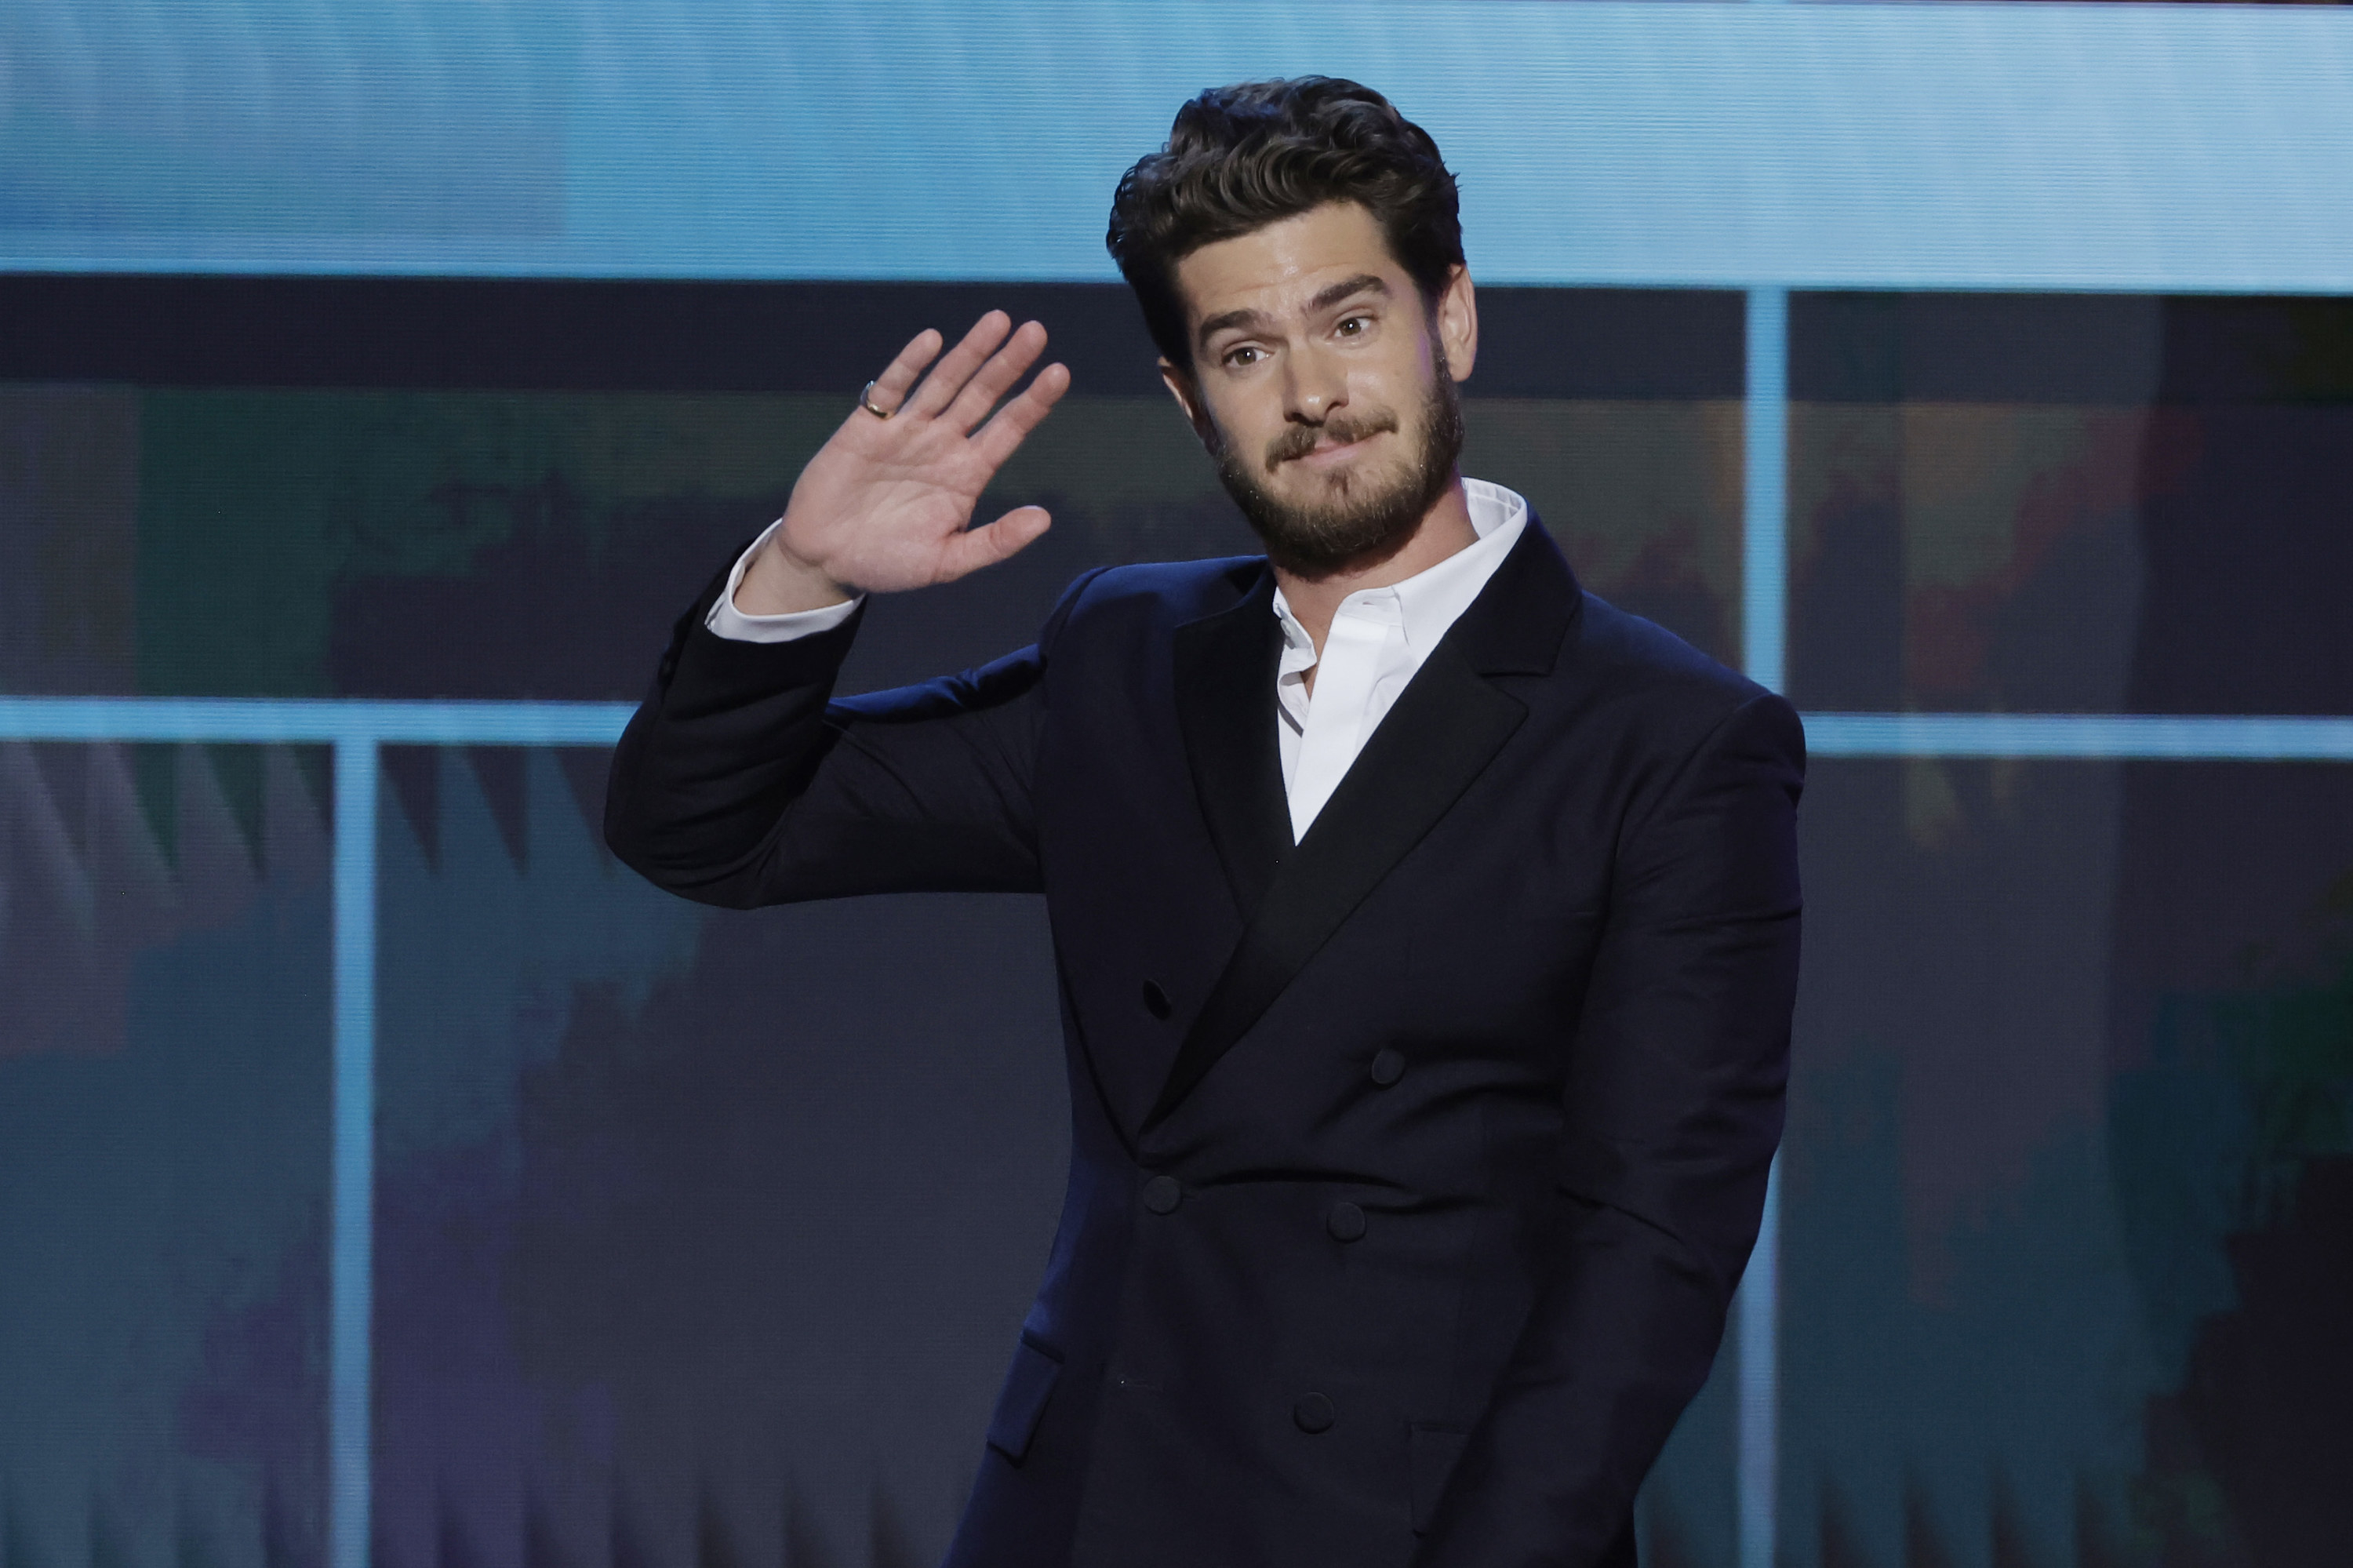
[1377,640]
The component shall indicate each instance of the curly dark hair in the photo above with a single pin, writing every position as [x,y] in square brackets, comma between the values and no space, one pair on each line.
[1241,158]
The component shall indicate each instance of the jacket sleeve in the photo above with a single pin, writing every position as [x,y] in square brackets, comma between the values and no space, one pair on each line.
[1673,1108]
[740,782]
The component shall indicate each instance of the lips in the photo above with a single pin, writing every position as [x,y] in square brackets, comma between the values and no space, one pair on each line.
[1332,454]
[1324,454]
[1323,446]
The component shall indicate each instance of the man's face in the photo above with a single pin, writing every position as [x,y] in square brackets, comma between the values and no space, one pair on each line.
[1322,387]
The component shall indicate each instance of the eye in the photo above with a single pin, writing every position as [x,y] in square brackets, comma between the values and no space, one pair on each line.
[1353,326]
[1248,353]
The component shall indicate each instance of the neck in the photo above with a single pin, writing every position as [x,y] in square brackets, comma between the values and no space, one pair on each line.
[1444,529]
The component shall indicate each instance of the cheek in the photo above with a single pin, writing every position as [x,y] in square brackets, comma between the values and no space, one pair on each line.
[1401,378]
[1247,416]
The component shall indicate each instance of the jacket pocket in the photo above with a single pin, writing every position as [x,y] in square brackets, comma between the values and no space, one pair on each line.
[1028,1383]
[1432,1458]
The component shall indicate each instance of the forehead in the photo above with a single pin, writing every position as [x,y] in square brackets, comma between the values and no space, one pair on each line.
[1279,266]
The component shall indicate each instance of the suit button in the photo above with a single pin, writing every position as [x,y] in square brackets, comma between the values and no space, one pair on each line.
[1389,1066]
[1155,1001]
[1161,1194]
[1313,1412]
[1345,1222]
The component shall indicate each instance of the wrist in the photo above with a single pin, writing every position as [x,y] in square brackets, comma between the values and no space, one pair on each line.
[777,582]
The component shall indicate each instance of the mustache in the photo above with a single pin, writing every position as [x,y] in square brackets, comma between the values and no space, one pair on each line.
[1298,440]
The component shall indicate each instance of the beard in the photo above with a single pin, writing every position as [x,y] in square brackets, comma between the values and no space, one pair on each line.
[1365,518]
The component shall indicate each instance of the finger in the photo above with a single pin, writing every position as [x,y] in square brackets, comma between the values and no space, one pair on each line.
[949,376]
[978,547]
[1002,436]
[891,387]
[997,377]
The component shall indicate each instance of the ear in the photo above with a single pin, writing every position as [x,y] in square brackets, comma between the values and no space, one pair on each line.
[1458,323]
[1188,397]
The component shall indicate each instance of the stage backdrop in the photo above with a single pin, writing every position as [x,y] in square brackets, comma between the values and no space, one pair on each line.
[700,1238]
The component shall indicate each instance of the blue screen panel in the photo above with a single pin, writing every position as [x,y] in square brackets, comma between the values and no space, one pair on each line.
[2062,147]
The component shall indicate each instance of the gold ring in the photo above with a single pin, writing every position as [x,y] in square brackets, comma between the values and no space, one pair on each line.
[865,401]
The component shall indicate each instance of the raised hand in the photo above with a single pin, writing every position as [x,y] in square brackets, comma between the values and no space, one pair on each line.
[885,504]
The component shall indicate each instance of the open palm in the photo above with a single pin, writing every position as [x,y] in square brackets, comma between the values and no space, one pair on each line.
[886,505]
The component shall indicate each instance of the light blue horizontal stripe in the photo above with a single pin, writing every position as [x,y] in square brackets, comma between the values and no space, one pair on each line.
[282,720]
[294,720]
[2175,738]
[1954,146]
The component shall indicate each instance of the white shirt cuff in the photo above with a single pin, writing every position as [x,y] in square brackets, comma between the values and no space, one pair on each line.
[731,623]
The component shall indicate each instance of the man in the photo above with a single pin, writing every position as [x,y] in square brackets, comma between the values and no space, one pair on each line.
[1427,928]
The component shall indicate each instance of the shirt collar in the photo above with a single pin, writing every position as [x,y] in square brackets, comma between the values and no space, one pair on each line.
[1430,601]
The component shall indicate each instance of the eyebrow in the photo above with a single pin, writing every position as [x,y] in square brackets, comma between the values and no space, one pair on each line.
[1362,284]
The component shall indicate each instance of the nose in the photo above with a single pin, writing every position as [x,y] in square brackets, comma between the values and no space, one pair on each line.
[1317,384]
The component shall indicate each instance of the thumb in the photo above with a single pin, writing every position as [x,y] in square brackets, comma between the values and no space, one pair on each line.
[976,548]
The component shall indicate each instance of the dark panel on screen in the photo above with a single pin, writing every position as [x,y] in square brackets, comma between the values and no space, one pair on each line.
[402,487]
[2071,502]
[1880,347]
[2065,1178]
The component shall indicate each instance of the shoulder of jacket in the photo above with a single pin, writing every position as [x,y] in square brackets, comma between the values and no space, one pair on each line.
[1170,591]
[1641,662]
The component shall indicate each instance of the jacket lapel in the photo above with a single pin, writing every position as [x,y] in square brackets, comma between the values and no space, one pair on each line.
[1444,729]
[1225,670]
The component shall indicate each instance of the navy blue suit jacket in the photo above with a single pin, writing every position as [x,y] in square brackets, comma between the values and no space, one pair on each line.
[1413,1165]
